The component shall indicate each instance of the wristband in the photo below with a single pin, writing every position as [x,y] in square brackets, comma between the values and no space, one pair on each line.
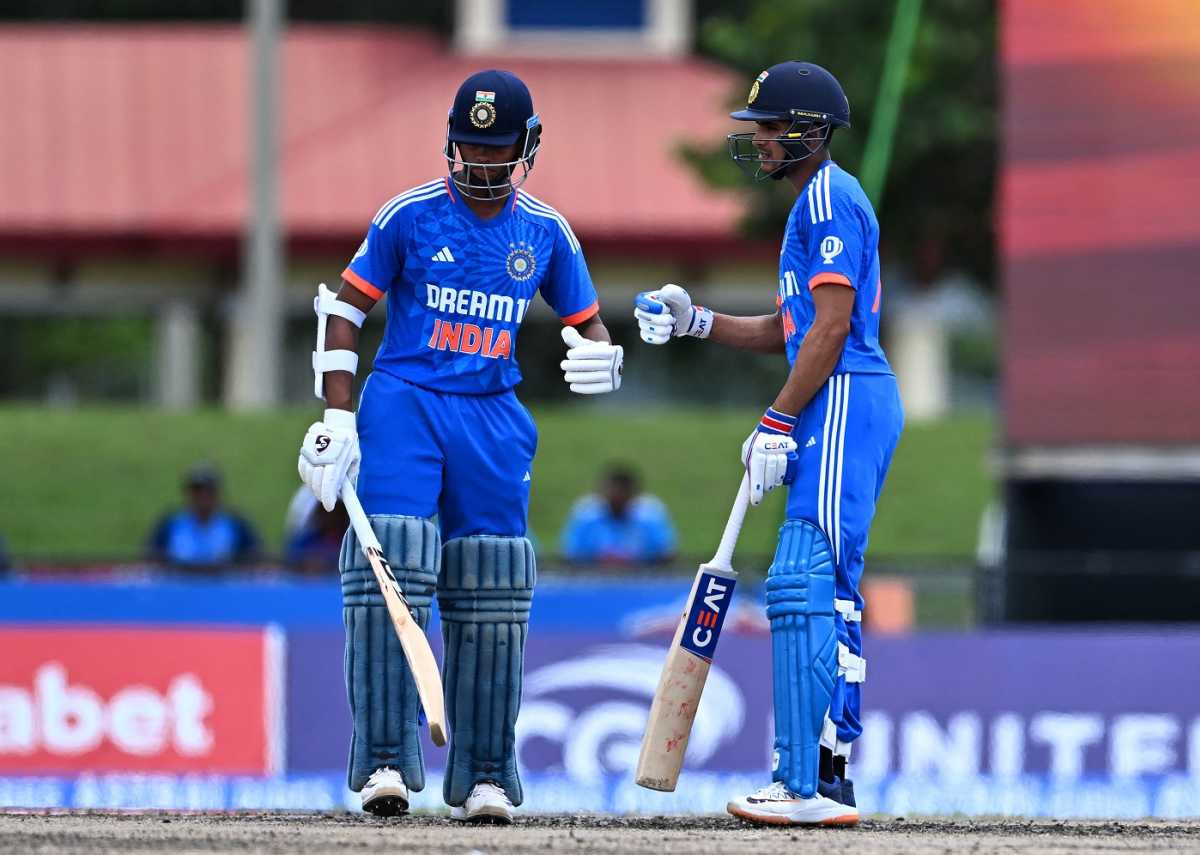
[773,421]
[702,322]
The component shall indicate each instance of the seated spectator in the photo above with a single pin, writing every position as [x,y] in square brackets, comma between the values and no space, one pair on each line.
[203,535]
[619,524]
[313,535]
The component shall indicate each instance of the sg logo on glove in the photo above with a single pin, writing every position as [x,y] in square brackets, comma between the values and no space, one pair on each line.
[330,455]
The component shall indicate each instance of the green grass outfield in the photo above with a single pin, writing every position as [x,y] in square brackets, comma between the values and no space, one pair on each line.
[88,484]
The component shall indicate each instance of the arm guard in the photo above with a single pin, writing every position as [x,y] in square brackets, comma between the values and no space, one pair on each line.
[325,304]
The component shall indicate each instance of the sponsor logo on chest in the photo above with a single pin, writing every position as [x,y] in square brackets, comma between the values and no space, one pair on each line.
[492,342]
[472,333]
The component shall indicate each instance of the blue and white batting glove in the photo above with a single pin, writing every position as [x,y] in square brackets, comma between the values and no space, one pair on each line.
[769,454]
[669,312]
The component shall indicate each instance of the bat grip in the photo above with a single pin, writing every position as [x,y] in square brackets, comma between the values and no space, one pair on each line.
[358,518]
[733,527]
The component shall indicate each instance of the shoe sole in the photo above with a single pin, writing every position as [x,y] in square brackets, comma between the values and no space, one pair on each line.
[386,806]
[842,821]
[484,818]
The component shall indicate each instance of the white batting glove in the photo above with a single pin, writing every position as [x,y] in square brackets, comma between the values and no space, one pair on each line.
[330,455]
[669,312]
[767,452]
[591,367]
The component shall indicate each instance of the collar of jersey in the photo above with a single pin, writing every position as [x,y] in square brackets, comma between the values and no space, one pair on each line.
[465,211]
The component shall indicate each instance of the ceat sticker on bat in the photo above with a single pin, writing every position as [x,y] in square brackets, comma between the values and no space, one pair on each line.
[707,615]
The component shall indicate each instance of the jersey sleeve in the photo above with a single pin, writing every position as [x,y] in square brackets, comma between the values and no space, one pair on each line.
[379,259]
[836,236]
[568,285]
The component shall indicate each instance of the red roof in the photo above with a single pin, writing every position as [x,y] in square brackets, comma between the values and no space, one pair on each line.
[141,132]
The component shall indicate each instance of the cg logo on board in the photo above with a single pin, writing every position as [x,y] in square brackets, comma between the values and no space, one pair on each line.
[584,713]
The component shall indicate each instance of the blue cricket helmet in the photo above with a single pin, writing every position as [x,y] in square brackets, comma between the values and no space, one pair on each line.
[804,95]
[796,90]
[492,108]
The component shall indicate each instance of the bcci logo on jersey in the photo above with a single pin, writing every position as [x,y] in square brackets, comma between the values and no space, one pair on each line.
[521,262]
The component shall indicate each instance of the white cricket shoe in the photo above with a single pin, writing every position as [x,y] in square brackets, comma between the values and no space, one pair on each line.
[486,804]
[775,804]
[385,793]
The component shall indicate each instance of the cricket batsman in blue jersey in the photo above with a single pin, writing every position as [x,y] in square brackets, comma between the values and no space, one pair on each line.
[441,449]
[839,411]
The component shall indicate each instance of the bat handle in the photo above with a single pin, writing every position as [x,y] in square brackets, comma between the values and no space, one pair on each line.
[723,560]
[358,518]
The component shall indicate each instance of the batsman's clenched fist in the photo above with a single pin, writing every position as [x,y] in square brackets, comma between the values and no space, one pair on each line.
[330,455]
[669,312]
[769,454]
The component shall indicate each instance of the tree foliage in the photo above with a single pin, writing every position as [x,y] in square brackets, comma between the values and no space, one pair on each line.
[940,182]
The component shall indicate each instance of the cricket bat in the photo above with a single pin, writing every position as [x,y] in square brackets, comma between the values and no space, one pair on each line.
[412,638]
[688,659]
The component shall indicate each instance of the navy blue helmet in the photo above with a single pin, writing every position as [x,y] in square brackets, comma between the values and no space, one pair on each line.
[492,108]
[801,93]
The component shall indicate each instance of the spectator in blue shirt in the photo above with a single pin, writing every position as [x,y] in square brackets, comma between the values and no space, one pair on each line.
[203,535]
[618,525]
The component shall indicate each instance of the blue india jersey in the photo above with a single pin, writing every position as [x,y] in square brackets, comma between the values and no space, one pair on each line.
[459,286]
[832,236]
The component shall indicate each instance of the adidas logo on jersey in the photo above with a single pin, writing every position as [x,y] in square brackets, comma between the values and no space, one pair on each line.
[812,440]
[445,255]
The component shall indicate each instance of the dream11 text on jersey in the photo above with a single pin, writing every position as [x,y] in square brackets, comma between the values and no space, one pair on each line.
[471,338]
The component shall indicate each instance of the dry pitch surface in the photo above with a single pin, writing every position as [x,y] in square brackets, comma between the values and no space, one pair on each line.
[312,833]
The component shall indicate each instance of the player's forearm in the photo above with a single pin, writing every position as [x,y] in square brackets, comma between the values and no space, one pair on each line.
[593,328]
[340,334]
[818,356]
[761,333]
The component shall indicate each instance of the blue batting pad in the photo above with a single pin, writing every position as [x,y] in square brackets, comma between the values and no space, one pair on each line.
[484,601]
[800,595]
[383,696]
